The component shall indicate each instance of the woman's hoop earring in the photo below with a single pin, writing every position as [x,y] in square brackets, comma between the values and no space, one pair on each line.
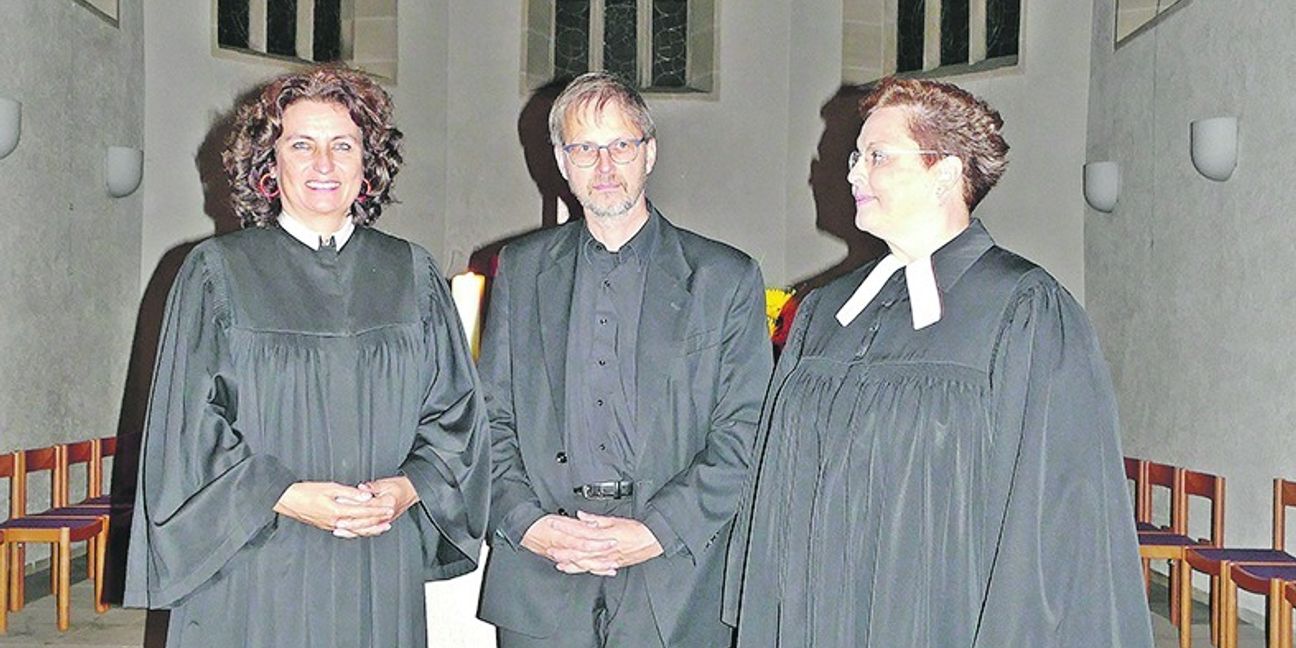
[365,193]
[266,193]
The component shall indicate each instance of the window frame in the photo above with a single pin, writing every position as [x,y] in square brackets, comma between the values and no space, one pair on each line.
[355,50]
[874,25]
[701,76]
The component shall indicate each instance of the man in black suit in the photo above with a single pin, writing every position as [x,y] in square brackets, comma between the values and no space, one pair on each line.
[624,361]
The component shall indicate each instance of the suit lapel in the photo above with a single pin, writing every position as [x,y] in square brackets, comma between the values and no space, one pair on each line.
[554,287]
[663,321]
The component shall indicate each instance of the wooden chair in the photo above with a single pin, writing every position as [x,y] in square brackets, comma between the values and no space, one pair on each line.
[58,532]
[1136,474]
[10,466]
[1164,540]
[1265,578]
[1285,615]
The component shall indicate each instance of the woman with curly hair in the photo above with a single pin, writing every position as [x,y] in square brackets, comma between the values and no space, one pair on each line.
[314,449]
[939,462]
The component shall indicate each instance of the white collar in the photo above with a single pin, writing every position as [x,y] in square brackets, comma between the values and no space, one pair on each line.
[920,278]
[309,237]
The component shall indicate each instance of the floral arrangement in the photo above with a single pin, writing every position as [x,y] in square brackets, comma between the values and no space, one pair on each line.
[780,307]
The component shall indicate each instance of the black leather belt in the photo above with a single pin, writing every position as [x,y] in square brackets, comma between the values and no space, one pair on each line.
[608,490]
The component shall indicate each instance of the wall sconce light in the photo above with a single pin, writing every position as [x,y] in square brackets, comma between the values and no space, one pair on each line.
[123,170]
[10,125]
[1102,185]
[1214,147]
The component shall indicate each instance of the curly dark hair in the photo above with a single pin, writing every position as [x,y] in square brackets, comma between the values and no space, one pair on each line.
[944,117]
[249,154]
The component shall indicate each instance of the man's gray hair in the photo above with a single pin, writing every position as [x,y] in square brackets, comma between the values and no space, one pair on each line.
[599,89]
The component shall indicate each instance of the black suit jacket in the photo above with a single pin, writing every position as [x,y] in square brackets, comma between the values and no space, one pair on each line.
[704,361]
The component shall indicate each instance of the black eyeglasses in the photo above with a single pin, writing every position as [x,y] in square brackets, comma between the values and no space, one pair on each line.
[621,151]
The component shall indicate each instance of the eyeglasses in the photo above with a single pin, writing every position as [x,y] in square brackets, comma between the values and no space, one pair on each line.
[621,151]
[875,158]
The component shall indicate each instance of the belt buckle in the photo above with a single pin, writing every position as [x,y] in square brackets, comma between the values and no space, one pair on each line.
[604,491]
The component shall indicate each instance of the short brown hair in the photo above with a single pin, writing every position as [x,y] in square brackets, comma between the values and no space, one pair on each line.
[600,89]
[249,152]
[944,117]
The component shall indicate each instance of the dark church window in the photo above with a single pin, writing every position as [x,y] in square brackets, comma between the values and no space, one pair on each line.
[360,33]
[648,42]
[955,35]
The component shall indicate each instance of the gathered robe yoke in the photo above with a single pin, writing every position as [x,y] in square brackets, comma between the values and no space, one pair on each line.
[279,364]
[959,485]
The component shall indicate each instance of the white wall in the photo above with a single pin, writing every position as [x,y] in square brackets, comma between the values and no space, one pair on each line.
[69,256]
[1189,280]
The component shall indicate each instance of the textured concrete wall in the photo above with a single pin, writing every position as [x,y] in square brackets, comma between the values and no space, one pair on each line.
[1190,280]
[69,257]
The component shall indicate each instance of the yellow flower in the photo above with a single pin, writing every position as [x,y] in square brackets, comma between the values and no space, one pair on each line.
[775,299]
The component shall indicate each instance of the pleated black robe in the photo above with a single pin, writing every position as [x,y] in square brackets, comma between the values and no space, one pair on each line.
[277,364]
[958,485]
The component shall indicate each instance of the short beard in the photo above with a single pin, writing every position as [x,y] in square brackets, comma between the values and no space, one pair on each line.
[615,211]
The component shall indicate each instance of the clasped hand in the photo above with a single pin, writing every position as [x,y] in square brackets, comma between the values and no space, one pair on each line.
[594,544]
[365,510]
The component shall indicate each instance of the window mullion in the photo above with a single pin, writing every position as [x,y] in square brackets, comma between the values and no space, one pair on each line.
[257,13]
[976,31]
[644,42]
[932,34]
[306,29]
[596,35]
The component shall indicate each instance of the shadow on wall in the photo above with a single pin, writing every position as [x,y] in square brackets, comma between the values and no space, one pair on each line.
[834,204]
[218,206]
[538,152]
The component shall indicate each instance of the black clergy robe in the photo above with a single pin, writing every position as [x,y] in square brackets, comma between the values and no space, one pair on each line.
[960,485]
[278,364]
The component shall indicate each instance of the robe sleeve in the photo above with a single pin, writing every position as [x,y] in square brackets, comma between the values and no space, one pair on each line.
[736,559]
[514,504]
[1065,568]
[698,502]
[448,463]
[203,492]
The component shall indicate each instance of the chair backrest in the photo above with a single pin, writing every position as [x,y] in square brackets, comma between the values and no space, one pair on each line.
[1136,472]
[1283,497]
[42,459]
[1211,488]
[11,468]
[1170,479]
[82,453]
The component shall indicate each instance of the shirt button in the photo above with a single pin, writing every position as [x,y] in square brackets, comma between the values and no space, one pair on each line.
[602,321]
[562,511]
[599,402]
[607,284]
[602,446]
[561,457]
[602,363]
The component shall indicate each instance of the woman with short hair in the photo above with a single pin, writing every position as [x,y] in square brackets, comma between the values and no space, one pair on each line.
[939,463]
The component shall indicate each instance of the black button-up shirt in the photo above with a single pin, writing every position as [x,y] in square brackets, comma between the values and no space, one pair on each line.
[601,346]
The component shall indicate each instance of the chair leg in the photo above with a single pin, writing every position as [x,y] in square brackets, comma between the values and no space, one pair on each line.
[4,587]
[1171,574]
[17,566]
[100,547]
[1215,603]
[1284,623]
[53,573]
[61,594]
[1185,609]
[1273,621]
[1229,594]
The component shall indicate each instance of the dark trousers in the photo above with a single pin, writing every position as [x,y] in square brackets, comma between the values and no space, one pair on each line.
[613,613]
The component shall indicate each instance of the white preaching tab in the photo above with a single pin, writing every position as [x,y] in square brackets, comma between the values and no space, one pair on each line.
[467,290]
[920,278]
